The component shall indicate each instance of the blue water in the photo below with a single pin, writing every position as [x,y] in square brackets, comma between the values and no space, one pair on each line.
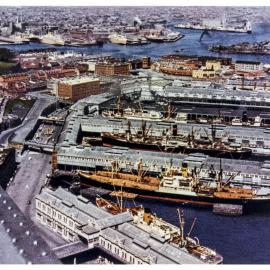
[244,239]
[240,240]
[188,45]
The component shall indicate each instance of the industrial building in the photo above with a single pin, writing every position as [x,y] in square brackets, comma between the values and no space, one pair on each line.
[111,69]
[75,89]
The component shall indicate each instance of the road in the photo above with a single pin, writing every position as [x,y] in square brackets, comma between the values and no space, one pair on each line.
[22,130]
[30,177]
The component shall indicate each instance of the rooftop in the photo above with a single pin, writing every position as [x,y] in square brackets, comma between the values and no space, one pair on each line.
[79,81]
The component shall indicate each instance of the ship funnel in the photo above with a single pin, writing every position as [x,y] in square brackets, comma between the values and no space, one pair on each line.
[147,216]
[174,130]
[184,169]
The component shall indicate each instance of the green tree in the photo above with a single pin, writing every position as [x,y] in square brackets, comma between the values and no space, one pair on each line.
[6,55]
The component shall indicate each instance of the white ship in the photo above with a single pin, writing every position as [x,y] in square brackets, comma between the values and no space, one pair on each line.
[130,113]
[217,26]
[118,39]
[52,39]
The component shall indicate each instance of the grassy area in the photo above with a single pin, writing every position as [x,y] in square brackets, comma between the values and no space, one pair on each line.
[19,106]
[6,66]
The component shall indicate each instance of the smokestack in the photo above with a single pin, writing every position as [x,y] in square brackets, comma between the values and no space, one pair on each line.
[174,130]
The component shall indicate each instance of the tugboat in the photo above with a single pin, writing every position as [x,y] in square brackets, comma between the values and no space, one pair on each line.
[177,186]
[149,222]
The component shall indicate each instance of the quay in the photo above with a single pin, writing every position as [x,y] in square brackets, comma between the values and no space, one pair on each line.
[76,219]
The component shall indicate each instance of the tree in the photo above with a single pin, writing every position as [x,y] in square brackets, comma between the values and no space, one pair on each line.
[6,54]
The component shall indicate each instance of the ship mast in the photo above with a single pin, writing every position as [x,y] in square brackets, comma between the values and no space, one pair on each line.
[140,171]
[220,175]
[192,226]
[182,224]
[118,105]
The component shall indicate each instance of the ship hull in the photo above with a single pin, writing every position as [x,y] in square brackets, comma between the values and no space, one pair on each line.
[201,200]
[179,149]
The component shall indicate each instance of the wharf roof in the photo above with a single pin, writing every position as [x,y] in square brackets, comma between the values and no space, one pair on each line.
[20,241]
[155,160]
[77,207]
[79,81]
[139,242]
[101,124]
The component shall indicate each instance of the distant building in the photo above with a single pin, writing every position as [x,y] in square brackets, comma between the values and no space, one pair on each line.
[75,89]
[248,66]
[146,62]
[203,73]
[213,65]
[111,69]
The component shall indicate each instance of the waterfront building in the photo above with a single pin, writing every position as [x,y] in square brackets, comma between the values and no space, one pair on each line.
[213,65]
[76,218]
[248,66]
[111,69]
[146,62]
[203,73]
[75,89]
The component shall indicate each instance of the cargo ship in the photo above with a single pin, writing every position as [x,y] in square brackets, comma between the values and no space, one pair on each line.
[149,222]
[179,186]
[174,143]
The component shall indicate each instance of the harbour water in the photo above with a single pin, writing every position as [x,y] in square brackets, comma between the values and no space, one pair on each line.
[242,239]
[190,44]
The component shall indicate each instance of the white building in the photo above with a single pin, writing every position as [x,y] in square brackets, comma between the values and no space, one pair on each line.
[248,66]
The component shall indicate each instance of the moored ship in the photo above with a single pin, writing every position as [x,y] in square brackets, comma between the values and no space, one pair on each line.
[217,26]
[172,142]
[149,222]
[52,39]
[177,186]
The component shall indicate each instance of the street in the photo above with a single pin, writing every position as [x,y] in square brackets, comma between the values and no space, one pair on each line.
[26,184]
[23,129]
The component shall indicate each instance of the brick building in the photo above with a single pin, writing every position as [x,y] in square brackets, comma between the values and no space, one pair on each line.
[110,69]
[75,89]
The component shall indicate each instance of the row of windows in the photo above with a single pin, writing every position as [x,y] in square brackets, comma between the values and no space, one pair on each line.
[121,253]
[55,213]
[55,226]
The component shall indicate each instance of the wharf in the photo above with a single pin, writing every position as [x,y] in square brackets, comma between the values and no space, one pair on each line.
[73,158]
[70,249]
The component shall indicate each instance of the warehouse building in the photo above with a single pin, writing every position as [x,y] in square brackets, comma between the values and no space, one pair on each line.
[75,89]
